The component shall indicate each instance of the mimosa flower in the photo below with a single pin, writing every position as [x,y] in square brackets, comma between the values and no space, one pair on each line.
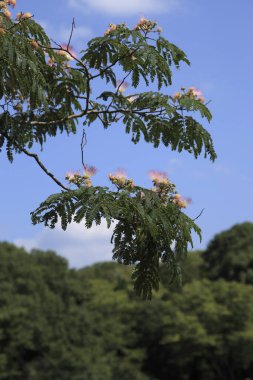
[70,176]
[120,173]
[88,182]
[177,95]
[68,52]
[158,177]
[142,21]
[89,171]
[107,32]
[195,91]
[26,15]
[182,203]
[7,14]
[112,27]
[34,44]
[122,86]
[118,178]
[12,3]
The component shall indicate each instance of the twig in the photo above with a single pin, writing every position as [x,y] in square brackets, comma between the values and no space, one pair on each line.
[71,33]
[199,214]
[114,63]
[83,143]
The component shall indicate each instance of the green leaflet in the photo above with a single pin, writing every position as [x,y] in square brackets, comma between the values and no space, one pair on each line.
[144,233]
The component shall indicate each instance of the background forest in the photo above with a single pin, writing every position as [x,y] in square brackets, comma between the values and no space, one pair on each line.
[61,323]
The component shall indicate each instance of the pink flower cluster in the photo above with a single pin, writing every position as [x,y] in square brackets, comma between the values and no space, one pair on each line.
[159,178]
[112,28]
[3,6]
[182,203]
[82,179]
[119,178]
[67,52]
[147,25]
[195,93]
[192,93]
[122,86]
[166,190]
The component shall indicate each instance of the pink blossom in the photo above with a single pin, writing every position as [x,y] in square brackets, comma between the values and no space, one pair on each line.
[70,176]
[12,3]
[89,171]
[122,86]
[68,52]
[196,92]
[157,176]
[120,173]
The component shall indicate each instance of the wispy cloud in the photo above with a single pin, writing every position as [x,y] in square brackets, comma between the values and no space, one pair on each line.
[126,7]
[175,164]
[222,172]
[80,246]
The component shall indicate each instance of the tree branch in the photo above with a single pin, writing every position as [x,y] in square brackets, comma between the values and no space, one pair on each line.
[90,112]
[83,143]
[36,158]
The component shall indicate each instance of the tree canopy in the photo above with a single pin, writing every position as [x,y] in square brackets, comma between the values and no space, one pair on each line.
[47,89]
[229,254]
[61,323]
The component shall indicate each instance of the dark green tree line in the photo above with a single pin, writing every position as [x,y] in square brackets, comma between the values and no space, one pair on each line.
[60,323]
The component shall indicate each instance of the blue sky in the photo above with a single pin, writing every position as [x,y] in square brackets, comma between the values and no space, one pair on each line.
[217,37]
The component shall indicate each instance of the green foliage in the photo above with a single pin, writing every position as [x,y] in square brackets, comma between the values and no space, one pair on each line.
[42,95]
[143,235]
[229,255]
[60,323]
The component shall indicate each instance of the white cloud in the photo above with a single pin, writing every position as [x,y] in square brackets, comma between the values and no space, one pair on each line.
[80,246]
[126,7]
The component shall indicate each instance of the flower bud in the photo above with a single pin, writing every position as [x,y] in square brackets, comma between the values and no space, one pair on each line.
[88,182]
[19,15]
[113,27]
[177,95]
[12,3]
[27,15]
[7,14]
[107,32]
[35,45]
